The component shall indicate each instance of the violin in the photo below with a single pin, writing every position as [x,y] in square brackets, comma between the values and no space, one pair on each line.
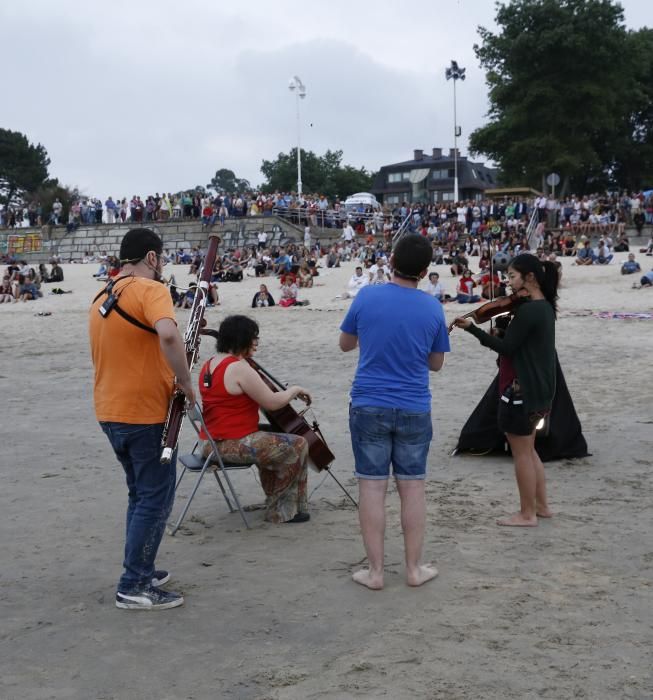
[494,308]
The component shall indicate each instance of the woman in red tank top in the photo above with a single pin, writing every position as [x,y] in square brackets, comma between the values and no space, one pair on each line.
[232,392]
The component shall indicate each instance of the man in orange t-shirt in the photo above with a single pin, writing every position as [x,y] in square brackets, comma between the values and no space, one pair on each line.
[137,352]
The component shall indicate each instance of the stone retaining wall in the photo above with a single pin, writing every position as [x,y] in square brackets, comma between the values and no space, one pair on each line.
[38,245]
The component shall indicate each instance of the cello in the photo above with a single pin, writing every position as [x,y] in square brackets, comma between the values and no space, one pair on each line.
[287,420]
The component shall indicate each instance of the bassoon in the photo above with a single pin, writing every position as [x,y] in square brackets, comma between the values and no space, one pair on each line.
[177,406]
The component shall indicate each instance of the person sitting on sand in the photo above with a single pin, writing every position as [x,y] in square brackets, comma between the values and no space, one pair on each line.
[56,273]
[649,248]
[289,292]
[586,255]
[356,282]
[434,287]
[262,298]
[465,290]
[185,300]
[6,290]
[26,290]
[630,266]
[647,280]
[379,278]
[604,256]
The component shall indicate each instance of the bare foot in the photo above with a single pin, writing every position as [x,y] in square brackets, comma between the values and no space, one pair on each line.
[422,574]
[366,578]
[518,520]
[544,513]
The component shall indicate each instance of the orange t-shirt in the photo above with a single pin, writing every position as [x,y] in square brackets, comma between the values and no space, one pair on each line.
[133,381]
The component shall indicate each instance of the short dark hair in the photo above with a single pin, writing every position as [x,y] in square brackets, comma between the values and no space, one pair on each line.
[137,243]
[412,255]
[236,334]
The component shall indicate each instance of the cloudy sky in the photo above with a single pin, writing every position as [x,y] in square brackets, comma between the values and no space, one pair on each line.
[142,96]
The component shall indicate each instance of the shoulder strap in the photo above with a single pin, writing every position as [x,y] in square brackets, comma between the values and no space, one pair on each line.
[120,311]
[132,320]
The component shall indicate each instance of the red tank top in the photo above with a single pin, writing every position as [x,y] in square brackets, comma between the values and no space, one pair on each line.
[227,416]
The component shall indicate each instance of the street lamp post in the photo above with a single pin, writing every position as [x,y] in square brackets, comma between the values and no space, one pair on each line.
[295,85]
[455,73]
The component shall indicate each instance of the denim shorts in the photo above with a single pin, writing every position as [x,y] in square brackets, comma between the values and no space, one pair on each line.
[384,436]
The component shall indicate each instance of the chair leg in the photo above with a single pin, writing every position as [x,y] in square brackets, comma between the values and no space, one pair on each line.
[177,525]
[235,497]
[181,476]
[224,493]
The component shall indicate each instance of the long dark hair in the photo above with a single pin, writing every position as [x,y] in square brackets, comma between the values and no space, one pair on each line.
[546,274]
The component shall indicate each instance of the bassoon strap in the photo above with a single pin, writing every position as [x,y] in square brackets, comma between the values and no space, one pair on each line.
[121,312]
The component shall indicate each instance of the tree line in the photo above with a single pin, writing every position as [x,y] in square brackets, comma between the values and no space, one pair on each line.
[570,92]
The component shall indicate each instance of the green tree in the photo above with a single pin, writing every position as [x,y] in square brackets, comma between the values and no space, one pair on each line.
[225,180]
[630,151]
[23,166]
[320,174]
[561,80]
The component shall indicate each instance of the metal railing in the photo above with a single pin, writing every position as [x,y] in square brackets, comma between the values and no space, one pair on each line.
[532,225]
[402,230]
[328,218]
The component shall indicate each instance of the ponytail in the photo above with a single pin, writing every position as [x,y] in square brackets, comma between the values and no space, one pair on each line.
[549,284]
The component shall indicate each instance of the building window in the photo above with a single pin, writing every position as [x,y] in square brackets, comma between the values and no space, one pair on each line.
[447,196]
[396,198]
[439,174]
[475,174]
[398,177]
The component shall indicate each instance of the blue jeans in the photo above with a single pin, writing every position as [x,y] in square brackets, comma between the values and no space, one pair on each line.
[380,436]
[151,488]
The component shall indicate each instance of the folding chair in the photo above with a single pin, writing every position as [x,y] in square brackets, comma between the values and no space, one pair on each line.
[197,463]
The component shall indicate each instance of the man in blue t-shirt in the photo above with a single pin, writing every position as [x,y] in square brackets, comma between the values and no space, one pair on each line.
[402,335]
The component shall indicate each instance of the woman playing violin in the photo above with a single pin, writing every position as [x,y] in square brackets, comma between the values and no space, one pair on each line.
[232,392]
[527,378]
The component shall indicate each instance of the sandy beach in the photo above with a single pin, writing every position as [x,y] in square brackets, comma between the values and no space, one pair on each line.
[561,611]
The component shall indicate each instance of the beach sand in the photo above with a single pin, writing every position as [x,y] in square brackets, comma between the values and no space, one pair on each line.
[564,610]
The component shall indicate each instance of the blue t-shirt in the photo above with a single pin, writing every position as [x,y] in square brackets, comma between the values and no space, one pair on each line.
[397,329]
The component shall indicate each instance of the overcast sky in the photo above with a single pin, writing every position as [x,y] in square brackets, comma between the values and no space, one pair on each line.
[143,96]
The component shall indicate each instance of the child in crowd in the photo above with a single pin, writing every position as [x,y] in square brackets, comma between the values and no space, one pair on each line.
[465,290]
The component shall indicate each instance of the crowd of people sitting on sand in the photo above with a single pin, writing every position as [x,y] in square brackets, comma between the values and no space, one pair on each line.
[296,265]
[23,282]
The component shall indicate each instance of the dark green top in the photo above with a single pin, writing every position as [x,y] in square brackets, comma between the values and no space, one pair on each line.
[530,343]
